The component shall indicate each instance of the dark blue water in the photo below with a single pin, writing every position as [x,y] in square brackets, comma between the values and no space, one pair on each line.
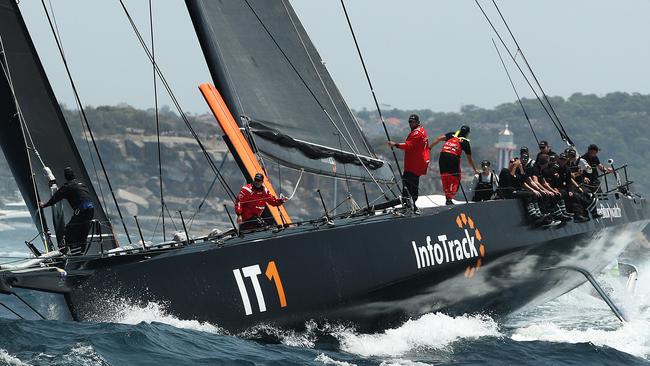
[575,329]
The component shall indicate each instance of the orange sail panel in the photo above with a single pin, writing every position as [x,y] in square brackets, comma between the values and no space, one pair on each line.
[242,148]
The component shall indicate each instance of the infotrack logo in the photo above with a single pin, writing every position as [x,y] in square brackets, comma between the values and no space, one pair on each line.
[468,244]
[608,212]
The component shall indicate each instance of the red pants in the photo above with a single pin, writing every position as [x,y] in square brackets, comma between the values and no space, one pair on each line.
[450,184]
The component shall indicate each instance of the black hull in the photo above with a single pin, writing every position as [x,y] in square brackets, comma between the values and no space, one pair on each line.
[364,270]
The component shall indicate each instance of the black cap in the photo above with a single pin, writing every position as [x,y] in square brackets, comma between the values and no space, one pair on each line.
[523,149]
[414,118]
[593,147]
[259,177]
[563,156]
[485,163]
[68,173]
[543,143]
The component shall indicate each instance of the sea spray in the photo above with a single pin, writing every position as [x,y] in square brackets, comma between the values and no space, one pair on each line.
[128,313]
[431,331]
[580,317]
[7,359]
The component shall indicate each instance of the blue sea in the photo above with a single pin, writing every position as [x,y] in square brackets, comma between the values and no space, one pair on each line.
[576,329]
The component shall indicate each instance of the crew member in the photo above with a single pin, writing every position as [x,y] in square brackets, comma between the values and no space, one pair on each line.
[485,183]
[591,157]
[544,148]
[449,162]
[80,199]
[416,159]
[251,201]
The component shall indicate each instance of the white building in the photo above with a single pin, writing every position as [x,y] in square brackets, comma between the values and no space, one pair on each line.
[505,148]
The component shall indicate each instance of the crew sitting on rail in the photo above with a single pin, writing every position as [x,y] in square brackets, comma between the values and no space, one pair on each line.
[513,183]
[553,201]
[485,183]
[544,148]
[449,162]
[560,178]
[78,196]
[251,202]
[578,166]
[591,157]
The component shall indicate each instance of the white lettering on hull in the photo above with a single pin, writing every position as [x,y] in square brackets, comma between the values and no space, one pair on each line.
[444,251]
[610,212]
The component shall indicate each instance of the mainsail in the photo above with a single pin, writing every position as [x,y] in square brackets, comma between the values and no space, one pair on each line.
[271,75]
[33,131]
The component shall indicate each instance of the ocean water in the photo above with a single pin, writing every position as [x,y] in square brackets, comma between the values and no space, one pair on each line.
[574,329]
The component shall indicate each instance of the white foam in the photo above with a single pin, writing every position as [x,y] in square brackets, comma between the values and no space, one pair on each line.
[579,317]
[632,338]
[6,358]
[401,362]
[330,361]
[304,339]
[431,331]
[83,355]
[154,312]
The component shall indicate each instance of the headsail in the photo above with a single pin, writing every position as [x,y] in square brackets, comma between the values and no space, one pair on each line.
[269,71]
[42,138]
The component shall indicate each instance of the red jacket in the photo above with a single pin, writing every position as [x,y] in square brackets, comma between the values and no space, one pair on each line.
[416,151]
[251,201]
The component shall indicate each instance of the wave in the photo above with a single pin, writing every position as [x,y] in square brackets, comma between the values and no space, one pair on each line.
[431,331]
[154,312]
[7,359]
[327,360]
[303,339]
[579,317]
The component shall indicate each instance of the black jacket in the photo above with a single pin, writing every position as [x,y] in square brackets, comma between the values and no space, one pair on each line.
[75,192]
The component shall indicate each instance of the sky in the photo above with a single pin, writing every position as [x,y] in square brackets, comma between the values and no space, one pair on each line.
[435,54]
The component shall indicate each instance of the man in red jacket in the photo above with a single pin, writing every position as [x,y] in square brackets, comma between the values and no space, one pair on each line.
[416,159]
[251,202]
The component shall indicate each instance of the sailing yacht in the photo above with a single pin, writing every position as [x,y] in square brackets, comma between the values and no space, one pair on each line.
[274,100]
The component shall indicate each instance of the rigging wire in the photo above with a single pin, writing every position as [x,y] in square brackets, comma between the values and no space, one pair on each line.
[207,194]
[29,306]
[515,90]
[372,89]
[11,311]
[521,52]
[155,94]
[26,135]
[83,127]
[177,104]
[329,117]
[85,118]
[320,78]
[521,71]
[329,95]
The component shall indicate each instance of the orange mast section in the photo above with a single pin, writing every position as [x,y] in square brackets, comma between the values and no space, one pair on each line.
[242,148]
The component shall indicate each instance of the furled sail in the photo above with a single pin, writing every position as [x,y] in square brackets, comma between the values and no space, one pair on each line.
[269,72]
[42,139]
